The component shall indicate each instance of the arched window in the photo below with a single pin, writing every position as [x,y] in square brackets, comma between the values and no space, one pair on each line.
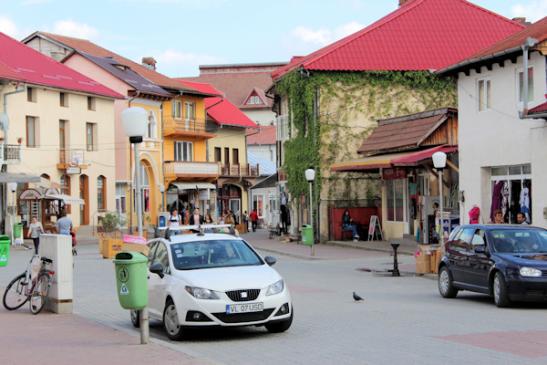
[152,124]
[101,192]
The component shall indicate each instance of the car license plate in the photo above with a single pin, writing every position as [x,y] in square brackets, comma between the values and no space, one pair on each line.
[244,308]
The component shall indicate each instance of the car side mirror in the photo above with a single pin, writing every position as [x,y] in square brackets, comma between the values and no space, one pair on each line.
[480,249]
[157,269]
[270,260]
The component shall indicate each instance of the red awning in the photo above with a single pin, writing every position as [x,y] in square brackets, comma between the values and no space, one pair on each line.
[414,158]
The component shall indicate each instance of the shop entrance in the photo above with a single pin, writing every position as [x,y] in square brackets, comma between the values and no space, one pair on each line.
[229,198]
[512,192]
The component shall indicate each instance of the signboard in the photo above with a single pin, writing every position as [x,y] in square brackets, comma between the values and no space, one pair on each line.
[372,224]
[393,174]
[73,170]
[134,239]
[204,194]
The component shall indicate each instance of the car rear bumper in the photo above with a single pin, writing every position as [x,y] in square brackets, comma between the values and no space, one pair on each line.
[528,289]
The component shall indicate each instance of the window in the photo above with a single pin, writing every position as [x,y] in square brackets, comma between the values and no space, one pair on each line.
[65,189]
[63,99]
[101,192]
[31,94]
[152,125]
[218,154]
[145,189]
[254,100]
[120,198]
[395,199]
[235,156]
[91,105]
[32,131]
[226,156]
[189,111]
[530,85]
[485,94]
[91,136]
[478,239]
[184,151]
[176,109]
[161,257]
[63,133]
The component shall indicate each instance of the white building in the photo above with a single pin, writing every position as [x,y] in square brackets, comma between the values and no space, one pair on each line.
[502,139]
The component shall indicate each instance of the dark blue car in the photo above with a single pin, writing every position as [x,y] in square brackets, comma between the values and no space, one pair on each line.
[507,262]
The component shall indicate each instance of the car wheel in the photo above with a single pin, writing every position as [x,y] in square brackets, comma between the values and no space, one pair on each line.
[446,287]
[171,325]
[499,290]
[280,326]
[135,318]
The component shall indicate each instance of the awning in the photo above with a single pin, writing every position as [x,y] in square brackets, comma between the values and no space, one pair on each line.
[193,186]
[411,158]
[67,199]
[11,177]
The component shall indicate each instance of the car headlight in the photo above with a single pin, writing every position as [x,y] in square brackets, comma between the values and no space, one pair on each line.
[275,288]
[530,272]
[201,293]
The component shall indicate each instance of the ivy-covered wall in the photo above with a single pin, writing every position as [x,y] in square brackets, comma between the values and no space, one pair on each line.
[333,112]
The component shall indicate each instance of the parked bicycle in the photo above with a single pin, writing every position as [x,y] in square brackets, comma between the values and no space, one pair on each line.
[26,288]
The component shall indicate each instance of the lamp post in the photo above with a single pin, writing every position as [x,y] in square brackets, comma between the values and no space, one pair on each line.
[439,162]
[310,176]
[135,123]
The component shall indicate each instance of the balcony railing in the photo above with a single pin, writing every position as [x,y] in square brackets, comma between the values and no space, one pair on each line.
[185,127]
[191,169]
[240,170]
[10,153]
[70,158]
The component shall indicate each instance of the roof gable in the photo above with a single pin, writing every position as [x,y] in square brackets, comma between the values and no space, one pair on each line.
[420,35]
[258,99]
[19,62]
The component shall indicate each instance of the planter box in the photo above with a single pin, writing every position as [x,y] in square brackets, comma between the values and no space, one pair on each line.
[109,247]
[135,247]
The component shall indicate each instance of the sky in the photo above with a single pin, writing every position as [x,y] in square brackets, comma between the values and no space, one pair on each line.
[182,34]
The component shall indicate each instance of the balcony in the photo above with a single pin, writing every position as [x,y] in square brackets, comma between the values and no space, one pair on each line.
[191,169]
[240,170]
[10,154]
[185,128]
[71,160]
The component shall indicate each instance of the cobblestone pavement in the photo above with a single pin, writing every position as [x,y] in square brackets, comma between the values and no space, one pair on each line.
[402,320]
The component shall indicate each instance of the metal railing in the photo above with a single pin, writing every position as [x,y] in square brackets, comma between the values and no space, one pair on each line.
[72,157]
[173,126]
[240,170]
[10,153]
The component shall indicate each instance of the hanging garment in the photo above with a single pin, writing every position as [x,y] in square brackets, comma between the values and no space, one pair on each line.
[474,215]
[505,193]
[496,199]
[525,203]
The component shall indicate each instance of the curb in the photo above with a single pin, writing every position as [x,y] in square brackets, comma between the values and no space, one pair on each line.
[293,255]
[365,248]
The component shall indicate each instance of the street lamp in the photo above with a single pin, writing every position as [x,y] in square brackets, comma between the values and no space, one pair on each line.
[135,124]
[310,176]
[439,162]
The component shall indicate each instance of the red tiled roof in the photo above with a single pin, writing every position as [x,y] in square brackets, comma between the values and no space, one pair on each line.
[200,86]
[237,85]
[19,62]
[225,113]
[542,108]
[83,45]
[265,135]
[402,133]
[419,35]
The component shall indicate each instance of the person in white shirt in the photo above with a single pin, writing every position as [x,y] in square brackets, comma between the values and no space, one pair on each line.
[34,230]
[174,219]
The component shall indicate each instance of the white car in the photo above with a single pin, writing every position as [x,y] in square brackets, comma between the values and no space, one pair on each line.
[199,280]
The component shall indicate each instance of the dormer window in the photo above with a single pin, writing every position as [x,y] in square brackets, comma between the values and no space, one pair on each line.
[254,100]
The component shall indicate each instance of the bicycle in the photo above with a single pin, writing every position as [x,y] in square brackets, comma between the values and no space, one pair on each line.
[18,292]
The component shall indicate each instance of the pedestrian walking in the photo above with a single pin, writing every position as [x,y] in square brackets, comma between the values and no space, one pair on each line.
[64,224]
[246,221]
[254,219]
[34,231]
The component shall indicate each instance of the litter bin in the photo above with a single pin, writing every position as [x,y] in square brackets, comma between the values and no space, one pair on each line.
[4,250]
[17,228]
[131,278]
[307,235]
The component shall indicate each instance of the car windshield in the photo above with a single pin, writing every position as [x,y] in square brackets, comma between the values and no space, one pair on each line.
[213,253]
[519,240]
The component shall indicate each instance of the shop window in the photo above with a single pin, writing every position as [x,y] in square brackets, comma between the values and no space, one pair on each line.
[512,192]
[101,192]
[484,93]
[530,85]
[395,200]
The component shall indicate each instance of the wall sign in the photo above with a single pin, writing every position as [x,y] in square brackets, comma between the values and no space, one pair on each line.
[393,174]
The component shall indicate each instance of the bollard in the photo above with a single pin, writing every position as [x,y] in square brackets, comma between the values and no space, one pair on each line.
[395,271]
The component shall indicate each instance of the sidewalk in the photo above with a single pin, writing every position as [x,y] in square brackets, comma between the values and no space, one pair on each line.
[68,339]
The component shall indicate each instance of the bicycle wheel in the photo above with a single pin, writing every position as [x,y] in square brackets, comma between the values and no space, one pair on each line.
[39,294]
[15,296]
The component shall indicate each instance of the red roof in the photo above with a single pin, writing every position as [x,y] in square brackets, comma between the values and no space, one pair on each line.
[419,35]
[265,135]
[201,87]
[540,109]
[19,62]
[225,113]
[413,158]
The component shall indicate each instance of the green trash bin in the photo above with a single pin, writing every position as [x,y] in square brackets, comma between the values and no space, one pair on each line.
[307,235]
[17,229]
[4,250]
[132,279]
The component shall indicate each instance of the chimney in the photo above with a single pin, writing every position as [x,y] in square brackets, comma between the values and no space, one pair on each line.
[402,2]
[149,62]
[521,20]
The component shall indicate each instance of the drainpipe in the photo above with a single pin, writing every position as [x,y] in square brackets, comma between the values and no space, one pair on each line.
[530,42]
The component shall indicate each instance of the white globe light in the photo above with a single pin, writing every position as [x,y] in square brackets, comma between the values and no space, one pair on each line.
[439,160]
[310,175]
[135,122]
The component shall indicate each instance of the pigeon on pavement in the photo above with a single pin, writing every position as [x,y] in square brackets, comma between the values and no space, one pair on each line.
[357,298]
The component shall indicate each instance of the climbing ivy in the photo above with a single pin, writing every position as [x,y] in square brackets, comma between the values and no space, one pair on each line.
[332,136]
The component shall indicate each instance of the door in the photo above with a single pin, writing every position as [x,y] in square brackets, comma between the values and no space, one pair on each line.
[62,141]
[235,206]
[479,262]
[226,156]
[157,287]
[458,252]
[84,195]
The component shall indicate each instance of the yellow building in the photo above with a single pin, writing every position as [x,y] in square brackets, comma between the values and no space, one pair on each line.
[61,128]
